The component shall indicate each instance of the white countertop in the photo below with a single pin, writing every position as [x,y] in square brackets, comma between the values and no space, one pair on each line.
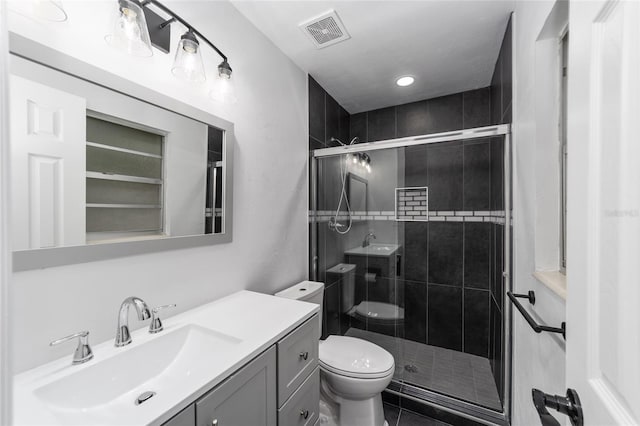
[257,320]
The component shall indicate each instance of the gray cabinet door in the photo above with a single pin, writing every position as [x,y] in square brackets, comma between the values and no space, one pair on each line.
[247,398]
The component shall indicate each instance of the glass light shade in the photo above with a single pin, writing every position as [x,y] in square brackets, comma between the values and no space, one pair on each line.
[223,90]
[188,63]
[49,10]
[130,33]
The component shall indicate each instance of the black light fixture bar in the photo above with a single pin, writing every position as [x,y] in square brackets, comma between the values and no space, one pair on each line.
[176,17]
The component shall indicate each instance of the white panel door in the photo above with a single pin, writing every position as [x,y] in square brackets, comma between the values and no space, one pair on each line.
[48,132]
[603,300]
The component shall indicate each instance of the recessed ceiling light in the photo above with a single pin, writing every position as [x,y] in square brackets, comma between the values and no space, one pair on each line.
[405,81]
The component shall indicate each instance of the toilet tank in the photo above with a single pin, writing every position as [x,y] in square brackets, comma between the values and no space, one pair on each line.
[307,291]
[346,274]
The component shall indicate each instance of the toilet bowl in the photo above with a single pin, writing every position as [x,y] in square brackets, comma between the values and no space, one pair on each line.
[353,372]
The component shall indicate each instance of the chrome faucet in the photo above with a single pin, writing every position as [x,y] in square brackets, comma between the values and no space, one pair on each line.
[367,239]
[123,337]
[83,352]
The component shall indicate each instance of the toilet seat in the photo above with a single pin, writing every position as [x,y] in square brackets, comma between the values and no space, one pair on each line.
[356,358]
[380,311]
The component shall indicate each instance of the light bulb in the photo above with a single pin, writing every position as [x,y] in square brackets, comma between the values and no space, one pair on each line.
[368,167]
[355,160]
[129,30]
[188,63]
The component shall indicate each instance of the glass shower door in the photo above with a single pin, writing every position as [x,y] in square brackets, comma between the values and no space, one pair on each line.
[410,248]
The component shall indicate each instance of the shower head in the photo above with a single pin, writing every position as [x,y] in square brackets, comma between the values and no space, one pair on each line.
[354,140]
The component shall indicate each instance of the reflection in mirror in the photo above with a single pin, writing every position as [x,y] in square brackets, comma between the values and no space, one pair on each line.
[357,190]
[92,165]
[213,212]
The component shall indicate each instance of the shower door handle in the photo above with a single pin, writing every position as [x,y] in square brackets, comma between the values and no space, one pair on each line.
[568,405]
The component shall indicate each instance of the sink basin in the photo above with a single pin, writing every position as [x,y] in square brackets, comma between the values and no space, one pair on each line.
[159,365]
[374,250]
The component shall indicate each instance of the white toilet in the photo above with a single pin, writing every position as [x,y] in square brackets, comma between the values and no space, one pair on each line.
[353,372]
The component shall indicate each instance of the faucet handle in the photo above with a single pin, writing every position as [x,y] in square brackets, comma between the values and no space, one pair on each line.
[156,324]
[83,352]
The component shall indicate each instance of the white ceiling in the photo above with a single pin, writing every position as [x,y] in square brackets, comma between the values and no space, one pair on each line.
[448,46]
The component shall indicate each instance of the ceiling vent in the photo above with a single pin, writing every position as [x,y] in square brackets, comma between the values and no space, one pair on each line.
[325,30]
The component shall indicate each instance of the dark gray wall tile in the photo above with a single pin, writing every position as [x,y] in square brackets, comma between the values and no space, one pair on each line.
[343,121]
[315,144]
[497,288]
[381,124]
[497,361]
[316,110]
[496,93]
[445,253]
[445,178]
[477,254]
[476,108]
[445,113]
[497,173]
[445,316]
[332,126]
[507,74]
[502,80]
[358,127]
[477,176]
[412,119]
[415,311]
[476,322]
[415,251]
[415,165]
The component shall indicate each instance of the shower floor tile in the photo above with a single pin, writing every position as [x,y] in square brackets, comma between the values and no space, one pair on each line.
[449,372]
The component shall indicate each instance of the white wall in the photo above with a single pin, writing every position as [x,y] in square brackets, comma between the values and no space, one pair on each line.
[538,359]
[269,248]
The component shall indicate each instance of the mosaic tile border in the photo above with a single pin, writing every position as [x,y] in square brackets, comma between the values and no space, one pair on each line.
[493,216]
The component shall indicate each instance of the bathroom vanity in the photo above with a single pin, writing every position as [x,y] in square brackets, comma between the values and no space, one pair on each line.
[246,359]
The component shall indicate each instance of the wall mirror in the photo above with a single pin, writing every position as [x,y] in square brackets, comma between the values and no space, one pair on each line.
[357,188]
[103,167]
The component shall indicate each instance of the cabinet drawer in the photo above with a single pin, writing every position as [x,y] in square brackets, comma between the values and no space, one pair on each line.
[297,357]
[303,408]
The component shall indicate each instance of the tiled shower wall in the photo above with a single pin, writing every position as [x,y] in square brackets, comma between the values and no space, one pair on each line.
[452,294]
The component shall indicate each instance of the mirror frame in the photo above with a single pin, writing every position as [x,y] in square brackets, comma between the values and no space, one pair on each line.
[24,260]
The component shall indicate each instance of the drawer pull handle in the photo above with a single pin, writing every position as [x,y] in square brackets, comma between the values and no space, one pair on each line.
[304,355]
[214,422]
[304,413]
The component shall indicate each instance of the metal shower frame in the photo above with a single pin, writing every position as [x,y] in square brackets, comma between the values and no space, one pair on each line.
[446,403]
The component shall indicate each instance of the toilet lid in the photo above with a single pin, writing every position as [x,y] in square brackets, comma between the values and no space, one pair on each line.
[353,357]
[380,311]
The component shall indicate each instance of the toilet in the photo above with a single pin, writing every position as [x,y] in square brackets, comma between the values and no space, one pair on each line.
[353,372]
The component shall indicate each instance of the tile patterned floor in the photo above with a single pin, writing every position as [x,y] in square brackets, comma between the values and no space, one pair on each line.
[464,376]
[396,416]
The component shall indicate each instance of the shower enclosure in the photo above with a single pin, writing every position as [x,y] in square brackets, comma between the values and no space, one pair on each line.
[411,239]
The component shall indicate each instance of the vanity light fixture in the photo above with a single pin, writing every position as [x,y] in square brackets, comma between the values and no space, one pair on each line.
[129,30]
[188,63]
[137,28]
[404,81]
[361,159]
